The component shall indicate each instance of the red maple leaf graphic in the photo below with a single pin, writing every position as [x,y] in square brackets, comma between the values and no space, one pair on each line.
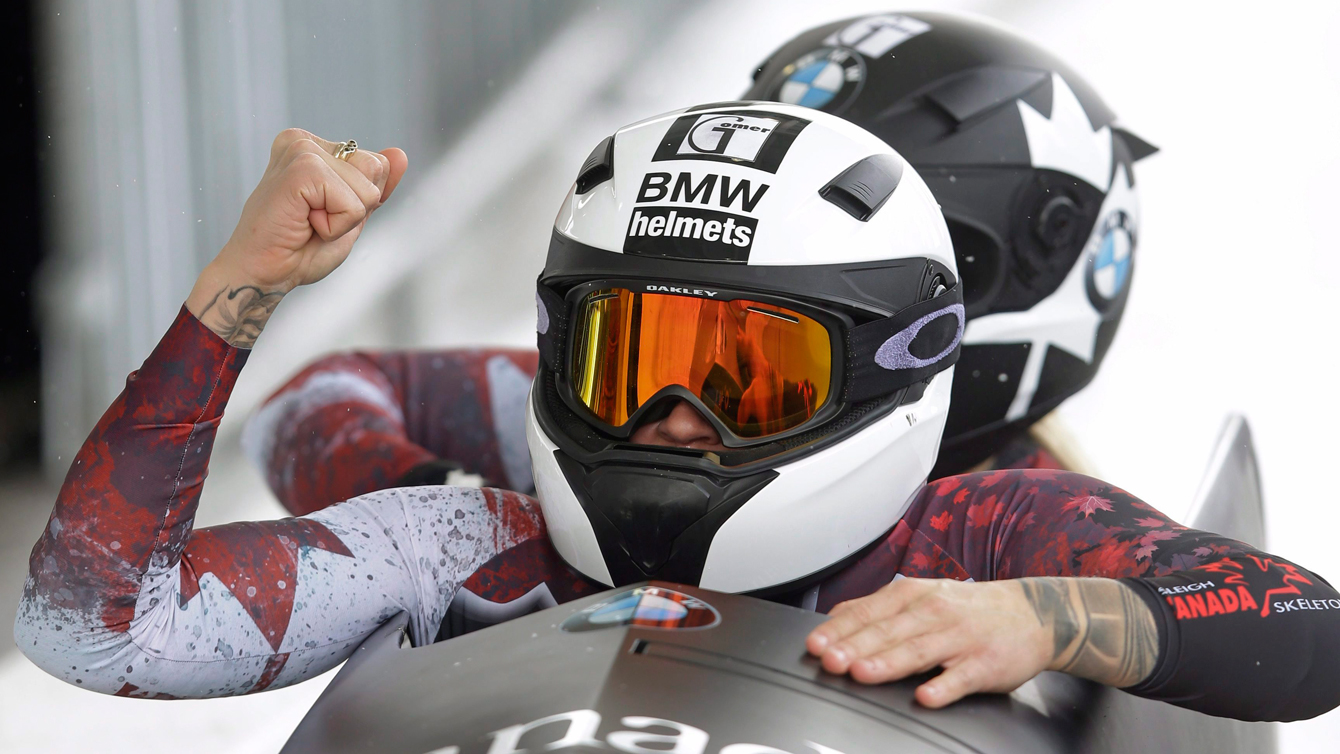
[942,521]
[1232,571]
[1111,559]
[982,514]
[1087,504]
[1016,521]
[1157,536]
[994,478]
[130,690]
[258,563]
[1147,543]
[1149,523]
[516,516]
[1036,473]
[946,485]
[1290,578]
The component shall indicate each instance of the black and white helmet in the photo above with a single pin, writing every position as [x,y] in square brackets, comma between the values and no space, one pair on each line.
[1035,179]
[789,276]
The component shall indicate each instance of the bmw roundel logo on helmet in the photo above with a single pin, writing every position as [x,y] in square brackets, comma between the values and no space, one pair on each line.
[1109,265]
[828,79]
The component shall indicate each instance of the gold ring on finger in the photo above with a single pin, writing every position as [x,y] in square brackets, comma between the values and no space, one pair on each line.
[345,149]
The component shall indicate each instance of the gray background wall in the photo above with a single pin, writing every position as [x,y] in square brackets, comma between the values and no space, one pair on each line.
[160,114]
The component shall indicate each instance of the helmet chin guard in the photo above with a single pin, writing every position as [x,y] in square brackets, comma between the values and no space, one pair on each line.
[657,522]
[760,202]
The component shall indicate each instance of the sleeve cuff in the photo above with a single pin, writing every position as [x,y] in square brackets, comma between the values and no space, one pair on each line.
[1169,637]
[187,378]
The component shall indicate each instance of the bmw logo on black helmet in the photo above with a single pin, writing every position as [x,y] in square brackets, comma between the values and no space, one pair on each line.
[791,278]
[1034,175]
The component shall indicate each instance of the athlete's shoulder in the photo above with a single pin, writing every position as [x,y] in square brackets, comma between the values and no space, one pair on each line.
[1036,487]
[1032,479]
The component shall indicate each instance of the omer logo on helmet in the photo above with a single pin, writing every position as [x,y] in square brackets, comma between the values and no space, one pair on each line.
[786,276]
[758,139]
[739,137]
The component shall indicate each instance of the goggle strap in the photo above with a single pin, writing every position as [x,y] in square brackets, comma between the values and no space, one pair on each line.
[551,326]
[880,358]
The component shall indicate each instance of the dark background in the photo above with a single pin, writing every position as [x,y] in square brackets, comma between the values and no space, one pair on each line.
[22,251]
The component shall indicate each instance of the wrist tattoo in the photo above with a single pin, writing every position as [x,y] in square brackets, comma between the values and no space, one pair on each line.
[239,314]
[1101,630]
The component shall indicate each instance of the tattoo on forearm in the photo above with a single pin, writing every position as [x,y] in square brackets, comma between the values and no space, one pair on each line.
[1051,603]
[1101,630]
[239,314]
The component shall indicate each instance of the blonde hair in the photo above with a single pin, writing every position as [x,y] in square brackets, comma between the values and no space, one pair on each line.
[1055,437]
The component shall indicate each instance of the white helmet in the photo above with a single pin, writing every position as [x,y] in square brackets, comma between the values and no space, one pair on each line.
[788,275]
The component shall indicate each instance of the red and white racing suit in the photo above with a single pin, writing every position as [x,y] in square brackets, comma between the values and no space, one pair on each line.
[125,597]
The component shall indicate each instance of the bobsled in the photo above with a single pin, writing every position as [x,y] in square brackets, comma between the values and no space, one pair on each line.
[660,667]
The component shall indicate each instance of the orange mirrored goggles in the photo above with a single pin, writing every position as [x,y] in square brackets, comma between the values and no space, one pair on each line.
[760,368]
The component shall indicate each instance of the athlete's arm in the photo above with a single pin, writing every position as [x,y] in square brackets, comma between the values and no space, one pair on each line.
[1115,591]
[353,423]
[124,597]
[989,636]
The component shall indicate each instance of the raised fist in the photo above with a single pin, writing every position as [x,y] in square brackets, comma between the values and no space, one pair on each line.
[296,227]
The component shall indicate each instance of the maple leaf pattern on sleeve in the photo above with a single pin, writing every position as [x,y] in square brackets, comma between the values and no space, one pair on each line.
[123,596]
[1033,522]
[1243,633]
[1149,543]
[1087,504]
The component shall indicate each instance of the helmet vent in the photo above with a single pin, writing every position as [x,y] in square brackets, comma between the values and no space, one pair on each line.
[598,168]
[983,89]
[862,189]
